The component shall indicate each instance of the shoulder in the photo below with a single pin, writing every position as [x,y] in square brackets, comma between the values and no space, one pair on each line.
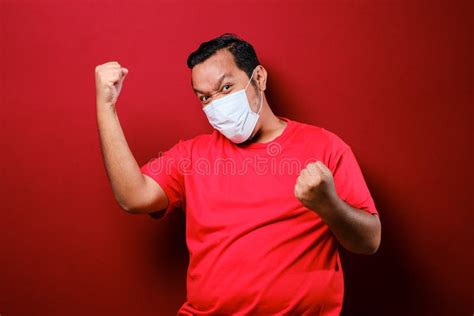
[187,145]
[317,134]
[200,139]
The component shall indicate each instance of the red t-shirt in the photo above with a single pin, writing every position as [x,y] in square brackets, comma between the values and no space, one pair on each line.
[254,248]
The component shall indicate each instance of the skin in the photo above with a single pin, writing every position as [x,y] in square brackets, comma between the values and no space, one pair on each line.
[135,192]
[355,229]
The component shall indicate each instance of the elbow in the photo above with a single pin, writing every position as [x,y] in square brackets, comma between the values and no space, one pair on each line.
[370,244]
[130,201]
[372,248]
[367,248]
[128,207]
[137,206]
[373,244]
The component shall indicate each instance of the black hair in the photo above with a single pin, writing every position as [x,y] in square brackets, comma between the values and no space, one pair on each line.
[244,54]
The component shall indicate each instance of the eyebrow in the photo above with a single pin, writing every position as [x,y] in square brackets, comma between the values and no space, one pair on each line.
[219,82]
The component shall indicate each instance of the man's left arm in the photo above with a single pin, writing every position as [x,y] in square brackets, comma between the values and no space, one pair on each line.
[355,229]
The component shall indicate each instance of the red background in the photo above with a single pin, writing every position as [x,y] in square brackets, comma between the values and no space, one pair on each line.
[392,78]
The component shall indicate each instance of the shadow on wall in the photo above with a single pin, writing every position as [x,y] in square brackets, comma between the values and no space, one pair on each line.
[170,238]
[279,102]
[381,282]
[385,283]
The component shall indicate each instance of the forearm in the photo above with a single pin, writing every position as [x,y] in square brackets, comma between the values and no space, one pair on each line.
[122,169]
[356,230]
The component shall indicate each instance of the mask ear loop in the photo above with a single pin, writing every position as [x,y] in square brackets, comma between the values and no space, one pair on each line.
[261,98]
[250,80]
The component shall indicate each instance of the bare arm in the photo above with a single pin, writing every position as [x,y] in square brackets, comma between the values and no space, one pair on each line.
[355,229]
[135,192]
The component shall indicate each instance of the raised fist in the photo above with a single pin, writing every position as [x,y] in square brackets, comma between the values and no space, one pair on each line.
[108,82]
[314,187]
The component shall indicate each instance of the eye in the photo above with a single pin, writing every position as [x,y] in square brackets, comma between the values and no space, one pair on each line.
[204,98]
[226,87]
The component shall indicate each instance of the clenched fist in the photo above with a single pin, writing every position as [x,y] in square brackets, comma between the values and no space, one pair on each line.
[108,82]
[314,187]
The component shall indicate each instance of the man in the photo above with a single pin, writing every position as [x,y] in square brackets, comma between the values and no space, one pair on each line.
[267,199]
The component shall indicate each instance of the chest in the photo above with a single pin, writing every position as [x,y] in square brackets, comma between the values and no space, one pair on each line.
[237,189]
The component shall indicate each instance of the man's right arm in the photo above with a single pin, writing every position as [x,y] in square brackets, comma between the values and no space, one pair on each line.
[134,191]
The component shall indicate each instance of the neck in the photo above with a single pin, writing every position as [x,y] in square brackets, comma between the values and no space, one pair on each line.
[270,126]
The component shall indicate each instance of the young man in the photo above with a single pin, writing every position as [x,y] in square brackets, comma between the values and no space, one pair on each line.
[267,199]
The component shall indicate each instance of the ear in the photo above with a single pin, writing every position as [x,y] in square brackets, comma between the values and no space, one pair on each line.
[261,77]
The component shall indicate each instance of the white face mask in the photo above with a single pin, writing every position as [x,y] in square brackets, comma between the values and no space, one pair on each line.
[232,116]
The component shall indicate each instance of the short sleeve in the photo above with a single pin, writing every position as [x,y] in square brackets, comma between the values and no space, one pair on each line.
[350,183]
[168,171]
